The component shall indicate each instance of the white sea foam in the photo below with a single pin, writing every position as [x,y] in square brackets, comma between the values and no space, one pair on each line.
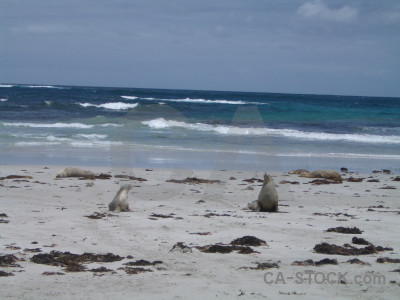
[111,105]
[129,97]
[6,85]
[3,100]
[44,86]
[194,100]
[53,125]
[111,125]
[25,144]
[92,136]
[161,123]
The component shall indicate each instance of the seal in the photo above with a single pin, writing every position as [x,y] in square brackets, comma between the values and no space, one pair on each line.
[267,198]
[73,172]
[120,201]
[326,174]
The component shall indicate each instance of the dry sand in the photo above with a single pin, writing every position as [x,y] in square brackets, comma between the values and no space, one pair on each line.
[47,214]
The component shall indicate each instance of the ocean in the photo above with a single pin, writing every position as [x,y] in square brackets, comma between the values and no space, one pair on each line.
[155,128]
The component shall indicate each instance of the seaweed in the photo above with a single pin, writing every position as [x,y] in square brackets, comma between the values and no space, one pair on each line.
[248,240]
[345,230]
[331,249]
[143,263]
[382,260]
[193,180]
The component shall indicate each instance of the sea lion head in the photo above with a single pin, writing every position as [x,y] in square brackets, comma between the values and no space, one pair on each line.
[126,187]
[267,178]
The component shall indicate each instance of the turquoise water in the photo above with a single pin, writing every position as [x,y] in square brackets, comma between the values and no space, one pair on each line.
[197,129]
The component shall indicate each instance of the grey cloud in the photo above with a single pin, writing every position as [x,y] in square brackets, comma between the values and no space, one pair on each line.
[318,9]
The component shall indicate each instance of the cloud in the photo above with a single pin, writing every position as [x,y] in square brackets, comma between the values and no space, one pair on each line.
[318,10]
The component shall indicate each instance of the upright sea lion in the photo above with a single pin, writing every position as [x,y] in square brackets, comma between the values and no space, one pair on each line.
[267,198]
[120,201]
[73,172]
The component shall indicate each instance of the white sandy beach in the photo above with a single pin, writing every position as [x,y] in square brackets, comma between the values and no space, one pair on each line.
[50,214]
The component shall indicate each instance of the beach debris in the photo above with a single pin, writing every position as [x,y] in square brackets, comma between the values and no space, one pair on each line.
[181,247]
[359,241]
[52,273]
[347,249]
[331,249]
[382,260]
[288,182]
[310,262]
[373,180]
[201,233]
[5,274]
[101,270]
[216,215]
[97,215]
[154,215]
[218,248]
[263,266]
[248,240]
[143,263]
[358,262]
[397,178]
[240,244]
[9,260]
[130,177]
[94,177]
[35,250]
[16,177]
[194,180]
[346,230]
[344,170]
[134,271]
[232,178]
[352,179]
[73,262]
[253,180]
[388,188]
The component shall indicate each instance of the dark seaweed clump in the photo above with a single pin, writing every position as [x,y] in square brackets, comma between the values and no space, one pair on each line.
[193,180]
[248,240]
[346,230]
[72,262]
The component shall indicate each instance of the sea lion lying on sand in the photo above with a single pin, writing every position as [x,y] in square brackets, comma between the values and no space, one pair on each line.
[327,174]
[267,198]
[120,201]
[73,172]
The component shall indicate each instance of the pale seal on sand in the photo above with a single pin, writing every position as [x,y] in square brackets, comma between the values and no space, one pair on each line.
[73,172]
[120,201]
[267,198]
[327,174]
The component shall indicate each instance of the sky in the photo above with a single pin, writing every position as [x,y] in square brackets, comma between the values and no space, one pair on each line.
[288,46]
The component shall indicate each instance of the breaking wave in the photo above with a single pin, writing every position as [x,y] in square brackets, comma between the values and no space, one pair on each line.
[111,105]
[191,100]
[161,123]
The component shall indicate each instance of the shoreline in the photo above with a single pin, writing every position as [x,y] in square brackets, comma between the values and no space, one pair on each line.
[51,214]
[189,160]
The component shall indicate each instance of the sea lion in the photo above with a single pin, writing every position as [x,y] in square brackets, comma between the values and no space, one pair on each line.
[267,198]
[73,172]
[120,201]
[327,174]
[298,171]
